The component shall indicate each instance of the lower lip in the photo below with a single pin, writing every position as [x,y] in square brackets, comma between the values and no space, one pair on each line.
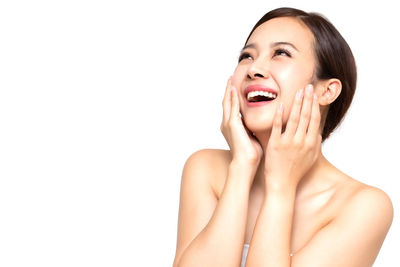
[257,104]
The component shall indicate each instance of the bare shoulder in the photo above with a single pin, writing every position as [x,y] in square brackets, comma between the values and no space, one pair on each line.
[372,202]
[211,165]
[364,204]
[354,236]
[354,202]
[198,198]
[210,157]
[351,194]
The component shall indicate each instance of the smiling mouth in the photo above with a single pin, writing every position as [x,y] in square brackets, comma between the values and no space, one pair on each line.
[260,96]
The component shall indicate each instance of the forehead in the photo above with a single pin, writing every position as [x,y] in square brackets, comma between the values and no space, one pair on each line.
[283,29]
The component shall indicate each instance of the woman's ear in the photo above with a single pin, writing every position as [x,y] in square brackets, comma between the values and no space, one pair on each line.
[329,90]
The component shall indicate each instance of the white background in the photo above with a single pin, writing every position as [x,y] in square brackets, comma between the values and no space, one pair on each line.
[101,103]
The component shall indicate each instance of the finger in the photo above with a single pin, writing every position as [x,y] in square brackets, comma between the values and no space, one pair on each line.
[305,112]
[294,116]
[235,109]
[226,103]
[315,121]
[277,124]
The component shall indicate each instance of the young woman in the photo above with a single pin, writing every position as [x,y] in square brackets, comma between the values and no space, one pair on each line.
[273,199]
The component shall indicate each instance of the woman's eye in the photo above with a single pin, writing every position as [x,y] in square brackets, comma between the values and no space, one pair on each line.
[244,56]
[282,52]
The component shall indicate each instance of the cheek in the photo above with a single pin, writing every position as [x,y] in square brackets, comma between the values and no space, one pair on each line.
[287,78]
[284,74]
[238,76]
[292,78]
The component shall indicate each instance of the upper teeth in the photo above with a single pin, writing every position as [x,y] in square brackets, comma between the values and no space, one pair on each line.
[262,93]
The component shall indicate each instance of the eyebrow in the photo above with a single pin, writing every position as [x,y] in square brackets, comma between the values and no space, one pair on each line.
[272,45]
[247,46]
[284,43]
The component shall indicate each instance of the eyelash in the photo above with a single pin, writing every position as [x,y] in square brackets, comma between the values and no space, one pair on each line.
[281,50]
[277,52]
[243,56]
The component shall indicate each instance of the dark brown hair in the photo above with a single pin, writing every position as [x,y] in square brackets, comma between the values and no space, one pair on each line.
[334,60]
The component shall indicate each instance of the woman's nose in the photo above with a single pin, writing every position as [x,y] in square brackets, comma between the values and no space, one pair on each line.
[258,70]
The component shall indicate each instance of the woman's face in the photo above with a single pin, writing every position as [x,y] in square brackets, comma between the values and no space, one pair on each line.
[278,57]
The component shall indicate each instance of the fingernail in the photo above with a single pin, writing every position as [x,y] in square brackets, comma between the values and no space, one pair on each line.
[315,96]
[280,108]
[299,94]
[309,89]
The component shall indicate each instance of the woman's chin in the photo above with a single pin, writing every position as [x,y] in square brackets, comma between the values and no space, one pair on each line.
[259,126]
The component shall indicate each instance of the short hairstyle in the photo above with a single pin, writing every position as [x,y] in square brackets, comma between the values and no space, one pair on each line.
[334,60]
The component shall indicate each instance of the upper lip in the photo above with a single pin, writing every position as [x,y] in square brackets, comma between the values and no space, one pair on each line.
[259,87]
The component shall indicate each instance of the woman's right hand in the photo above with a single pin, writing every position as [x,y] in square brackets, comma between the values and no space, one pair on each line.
[244,147]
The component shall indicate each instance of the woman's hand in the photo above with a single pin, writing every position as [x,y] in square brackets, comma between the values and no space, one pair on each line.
[290,155]
[243,145]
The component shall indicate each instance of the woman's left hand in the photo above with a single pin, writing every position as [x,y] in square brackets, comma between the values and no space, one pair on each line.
[289,155]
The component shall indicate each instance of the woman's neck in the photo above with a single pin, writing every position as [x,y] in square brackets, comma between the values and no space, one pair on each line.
[312,182]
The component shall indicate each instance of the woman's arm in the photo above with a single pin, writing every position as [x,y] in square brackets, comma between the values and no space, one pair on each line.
[270,245]
[289,156]
[352,239]
[210,231]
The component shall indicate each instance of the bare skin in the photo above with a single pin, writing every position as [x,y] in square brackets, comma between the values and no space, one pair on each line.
[274,189]
[321,204]
[315,207]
